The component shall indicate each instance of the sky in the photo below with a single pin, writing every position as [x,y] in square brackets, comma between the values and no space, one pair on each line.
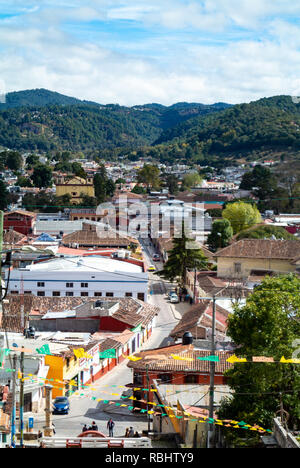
[165,51]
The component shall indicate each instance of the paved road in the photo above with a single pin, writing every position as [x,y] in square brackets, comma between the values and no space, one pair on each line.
[85,409]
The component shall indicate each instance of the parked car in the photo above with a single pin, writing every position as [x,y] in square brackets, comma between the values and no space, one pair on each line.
[171,293]
[61,405]
[174,299]
[151,268]
[155,257]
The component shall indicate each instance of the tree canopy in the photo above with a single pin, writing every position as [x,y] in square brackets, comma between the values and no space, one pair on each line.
[241,215]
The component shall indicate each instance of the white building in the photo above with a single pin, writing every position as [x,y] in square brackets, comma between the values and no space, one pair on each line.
[81,277]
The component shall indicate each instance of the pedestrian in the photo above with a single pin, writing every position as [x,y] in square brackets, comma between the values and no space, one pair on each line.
[136,435]
[40,434]
[85,428]
[126,432]
[94,426]
[131,432]
[110,426]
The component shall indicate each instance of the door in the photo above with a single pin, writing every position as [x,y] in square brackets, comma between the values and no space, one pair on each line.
[27,403]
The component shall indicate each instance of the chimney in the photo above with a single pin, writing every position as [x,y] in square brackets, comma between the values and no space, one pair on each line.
[187,338]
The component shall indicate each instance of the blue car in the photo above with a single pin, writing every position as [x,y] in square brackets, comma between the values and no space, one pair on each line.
[61,405]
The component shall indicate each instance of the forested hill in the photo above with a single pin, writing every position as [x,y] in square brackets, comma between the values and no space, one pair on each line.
[267,123]
[39,98]
[41,120]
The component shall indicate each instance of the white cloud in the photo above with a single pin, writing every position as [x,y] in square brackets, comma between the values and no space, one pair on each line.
[176,64]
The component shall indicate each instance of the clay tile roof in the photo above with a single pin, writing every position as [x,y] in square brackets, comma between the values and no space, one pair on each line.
[12,237]
[199,317]
[160,360]
[132,312]
[262,248]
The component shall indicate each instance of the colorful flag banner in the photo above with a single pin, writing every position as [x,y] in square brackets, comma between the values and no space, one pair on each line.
[43,349]
[108,353]
[234,359]
[137,329]
[131,358]
[209,358]
[3,353]
[80,353]
[180,358]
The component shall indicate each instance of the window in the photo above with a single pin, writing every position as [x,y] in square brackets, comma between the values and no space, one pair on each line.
[109,294]
[14,292]
[191,379]
[128,294]
[84,285]
[69,285]
[237,267]
[69,294]
[98,294]
[27,292]
[55,293]
[84,294]
[40,285]
[141,296]
[41,293]
[165,378]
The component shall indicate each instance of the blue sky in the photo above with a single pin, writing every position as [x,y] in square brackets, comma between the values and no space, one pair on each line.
[135,51]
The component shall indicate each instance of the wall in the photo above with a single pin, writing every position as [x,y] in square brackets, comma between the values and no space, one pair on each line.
[226,266]
[67,325]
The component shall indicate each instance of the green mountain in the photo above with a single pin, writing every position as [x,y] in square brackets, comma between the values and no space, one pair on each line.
[269,124]
[42,120]
[39,98]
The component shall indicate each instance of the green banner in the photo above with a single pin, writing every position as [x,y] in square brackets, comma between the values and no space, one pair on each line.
[137,329]
[108,353]
[209,358]
[43,349]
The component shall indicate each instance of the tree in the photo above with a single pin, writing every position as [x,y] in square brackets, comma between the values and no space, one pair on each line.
[191,180]
[23,181]
[172,183]
[14,160]
[267,325]
[42,176]
[138,189]
[104,187]
[149,175]
[182,258]
[32,160]
[241,215]
[4,196]
[78,170]
[220,235]
[265,232]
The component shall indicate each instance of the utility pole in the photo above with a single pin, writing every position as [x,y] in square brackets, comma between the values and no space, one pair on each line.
[148,393]
[13,412]
[21,423]
[212,376]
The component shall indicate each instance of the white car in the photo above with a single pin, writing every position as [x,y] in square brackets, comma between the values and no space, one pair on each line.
[174,299]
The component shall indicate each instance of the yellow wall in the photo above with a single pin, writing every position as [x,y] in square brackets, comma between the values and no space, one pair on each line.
[76,185]
[226,266]
[59,370]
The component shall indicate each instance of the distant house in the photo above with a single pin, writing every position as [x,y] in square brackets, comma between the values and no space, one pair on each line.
[258,256]
[198,321]
[159,365]
[91,236]
[20,221]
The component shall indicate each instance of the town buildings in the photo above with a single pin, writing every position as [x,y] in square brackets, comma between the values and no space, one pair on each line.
[92,276]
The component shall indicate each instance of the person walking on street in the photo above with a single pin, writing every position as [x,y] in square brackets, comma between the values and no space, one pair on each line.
[131,432]
[110,426]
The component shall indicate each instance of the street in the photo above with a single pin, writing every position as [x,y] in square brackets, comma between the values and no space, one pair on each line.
[84,408]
